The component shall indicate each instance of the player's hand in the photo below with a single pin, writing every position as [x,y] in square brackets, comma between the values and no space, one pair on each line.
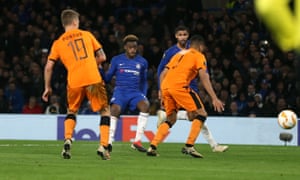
[46,94]
[218,105]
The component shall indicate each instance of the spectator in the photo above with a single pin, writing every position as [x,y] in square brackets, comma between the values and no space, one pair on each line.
[217,87]
[225,83]
[36,75]
[224,97]
[242,101]
[260,104]
[54,106]
[233,92]
[227,68]
[15,98]
[253,77]
[233,110]
[3,102]
[270,104]
[281,105]
[264,88]
[239,47]
[251,109]
[251,90]
[32,107]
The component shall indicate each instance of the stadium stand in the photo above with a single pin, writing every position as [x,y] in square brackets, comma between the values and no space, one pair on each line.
[240,52]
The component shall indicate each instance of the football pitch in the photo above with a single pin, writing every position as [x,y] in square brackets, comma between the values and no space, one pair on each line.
[29,160]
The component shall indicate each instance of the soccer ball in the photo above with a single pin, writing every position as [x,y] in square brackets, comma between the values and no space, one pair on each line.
[287,119]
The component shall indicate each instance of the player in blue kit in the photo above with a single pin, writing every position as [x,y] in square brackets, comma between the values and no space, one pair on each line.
[130,72]
[182,35]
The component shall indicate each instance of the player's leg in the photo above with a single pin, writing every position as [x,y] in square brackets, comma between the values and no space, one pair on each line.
[104,127]
[163,129]
[97,96]
[182,115]
[207,135]
[74,98]
[196,126]
[162,117]
[142,104]
[115,114]
[117,104]
[190,100]
[211,141]
[69,126]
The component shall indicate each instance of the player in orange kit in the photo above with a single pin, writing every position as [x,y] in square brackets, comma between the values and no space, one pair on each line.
[177,93]
[81,54]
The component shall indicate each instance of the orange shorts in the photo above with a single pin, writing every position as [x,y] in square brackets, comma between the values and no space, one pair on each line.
[95,93]
[186,98]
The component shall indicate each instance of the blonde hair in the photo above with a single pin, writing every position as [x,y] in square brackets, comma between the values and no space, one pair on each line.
[130,38]
[67,16]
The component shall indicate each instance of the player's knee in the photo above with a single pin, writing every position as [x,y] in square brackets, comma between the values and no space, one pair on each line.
[71,116]
[115,110]
[143,106]
[200,118]
[105,111]
[105,120]
[171,119]
[170,124]
[198,113]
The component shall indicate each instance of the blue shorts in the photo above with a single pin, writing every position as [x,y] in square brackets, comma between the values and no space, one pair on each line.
[127,99]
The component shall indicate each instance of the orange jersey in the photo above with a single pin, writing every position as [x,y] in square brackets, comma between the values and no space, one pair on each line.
[76,49]
[183,68]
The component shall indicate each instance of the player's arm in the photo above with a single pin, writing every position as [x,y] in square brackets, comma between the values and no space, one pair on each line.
[100,56]
[161,78]
[97,47]
[111,71]
[144,82]
[163,62]
[163,74]
[205,80]
[161,65]
[47,79]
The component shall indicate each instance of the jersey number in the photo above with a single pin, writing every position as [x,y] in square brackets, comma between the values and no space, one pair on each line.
[78,48]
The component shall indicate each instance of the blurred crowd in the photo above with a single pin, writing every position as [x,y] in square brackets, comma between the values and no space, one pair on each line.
[249,73]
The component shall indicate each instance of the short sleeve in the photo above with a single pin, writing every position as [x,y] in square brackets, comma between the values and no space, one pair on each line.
[95,42]
[54,55]
[201,62]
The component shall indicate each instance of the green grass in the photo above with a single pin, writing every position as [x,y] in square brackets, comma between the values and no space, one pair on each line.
[29,160]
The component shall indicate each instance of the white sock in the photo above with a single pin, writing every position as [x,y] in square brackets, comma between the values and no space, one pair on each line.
[141,126]
[205,131]
[208,136]
[182,115]
[112,129]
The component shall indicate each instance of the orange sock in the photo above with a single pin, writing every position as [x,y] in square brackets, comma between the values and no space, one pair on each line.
[69,128]
[104,130]
[160,134]
[104,134]
[194,132]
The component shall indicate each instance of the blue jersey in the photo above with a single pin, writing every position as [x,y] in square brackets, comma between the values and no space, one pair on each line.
[131,81]
[130,74]
[168,54]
